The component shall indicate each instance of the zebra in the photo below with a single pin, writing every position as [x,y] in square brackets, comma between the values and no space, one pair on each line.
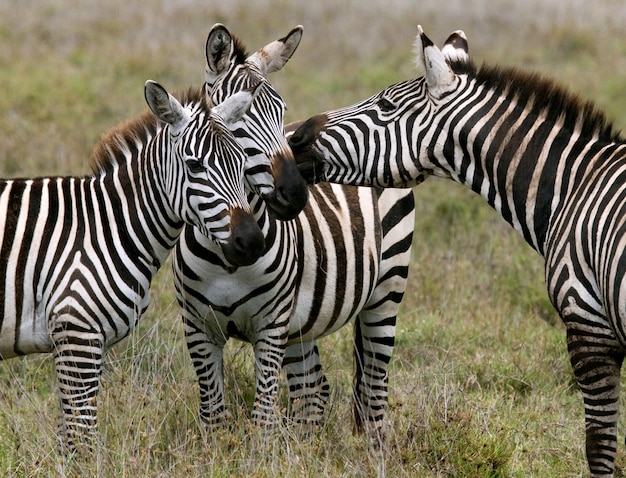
[77,254]
[345,255]
[229,69]
[549,162]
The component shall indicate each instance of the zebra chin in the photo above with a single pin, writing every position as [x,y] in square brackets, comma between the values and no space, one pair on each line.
[246,242]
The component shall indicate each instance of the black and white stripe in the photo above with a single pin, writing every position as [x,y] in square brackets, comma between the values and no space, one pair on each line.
[77,254]
[345,255]
[548,162]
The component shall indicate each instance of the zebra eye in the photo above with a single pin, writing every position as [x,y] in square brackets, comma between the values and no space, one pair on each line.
[385,105]
[195,166]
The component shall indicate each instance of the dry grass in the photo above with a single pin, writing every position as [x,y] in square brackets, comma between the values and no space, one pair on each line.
[480,382]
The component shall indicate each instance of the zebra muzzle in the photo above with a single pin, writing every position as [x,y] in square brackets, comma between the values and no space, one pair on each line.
[246,242]
[310,161]
[290,192]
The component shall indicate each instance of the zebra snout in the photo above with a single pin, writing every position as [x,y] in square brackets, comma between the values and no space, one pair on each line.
[310,162]
[246,242]
[290,192]
[307,132]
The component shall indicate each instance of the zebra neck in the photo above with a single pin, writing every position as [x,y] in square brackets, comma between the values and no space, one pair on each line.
[524,171]
[134,182]
[139,213]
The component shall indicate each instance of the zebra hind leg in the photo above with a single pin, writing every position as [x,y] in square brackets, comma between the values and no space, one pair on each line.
[373,345]
[597,369]
[78,357]
[309,390]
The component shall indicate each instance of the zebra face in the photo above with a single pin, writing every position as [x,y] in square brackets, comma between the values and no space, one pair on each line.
[394,138]
[356,145]
[204,179]
[271,170]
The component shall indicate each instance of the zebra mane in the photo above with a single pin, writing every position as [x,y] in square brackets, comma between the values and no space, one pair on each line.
[545,96]
[123,141]
[240,51]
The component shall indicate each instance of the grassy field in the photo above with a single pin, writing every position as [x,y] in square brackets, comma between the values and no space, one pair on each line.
[480,383]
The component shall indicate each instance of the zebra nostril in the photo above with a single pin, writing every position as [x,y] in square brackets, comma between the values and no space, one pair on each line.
[307,133]
[300,139]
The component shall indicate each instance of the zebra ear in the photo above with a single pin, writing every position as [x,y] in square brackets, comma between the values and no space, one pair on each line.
[219,51]
[455,49]
[439,76]
[236,106]
[163,105]
[273,56]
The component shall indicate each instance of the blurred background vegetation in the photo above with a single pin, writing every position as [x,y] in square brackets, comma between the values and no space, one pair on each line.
[480,383]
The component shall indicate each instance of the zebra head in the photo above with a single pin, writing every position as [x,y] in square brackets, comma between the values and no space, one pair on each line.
[271,171]
[387,140]
[204,177]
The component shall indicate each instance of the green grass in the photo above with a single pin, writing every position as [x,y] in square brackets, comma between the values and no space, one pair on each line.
[480,383]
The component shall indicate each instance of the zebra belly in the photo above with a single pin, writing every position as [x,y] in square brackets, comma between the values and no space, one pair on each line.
[322,307]
[246,302]
[25,334]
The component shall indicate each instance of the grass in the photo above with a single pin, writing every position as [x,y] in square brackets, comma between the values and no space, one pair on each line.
[480,383]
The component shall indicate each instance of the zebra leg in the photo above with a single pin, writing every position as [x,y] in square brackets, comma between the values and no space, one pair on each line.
[373,345]
[207,358]
[375,327]
[596,359]
[308,387]
[78,357]
[269,350]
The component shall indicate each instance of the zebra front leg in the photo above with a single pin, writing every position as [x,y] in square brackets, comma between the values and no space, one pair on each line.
[596,360]
[78,357]
[269,350]
[208,361]
[373,345]
[308,387]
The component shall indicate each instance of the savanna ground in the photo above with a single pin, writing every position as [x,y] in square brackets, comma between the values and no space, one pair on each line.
[480,383]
